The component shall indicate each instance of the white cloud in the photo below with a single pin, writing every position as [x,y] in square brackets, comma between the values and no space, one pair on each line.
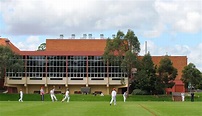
[52,17]
[155,32]
[151,17]
[192,23]
[32,39]
[180,15]
[196,56]
[31,43]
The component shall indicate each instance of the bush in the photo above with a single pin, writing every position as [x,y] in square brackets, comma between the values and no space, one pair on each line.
[139,92]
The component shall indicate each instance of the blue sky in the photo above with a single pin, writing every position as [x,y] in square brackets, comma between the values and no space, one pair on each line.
[172,27]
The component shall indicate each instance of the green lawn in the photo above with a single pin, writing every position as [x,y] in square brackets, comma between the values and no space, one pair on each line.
[79,97]
[100,108]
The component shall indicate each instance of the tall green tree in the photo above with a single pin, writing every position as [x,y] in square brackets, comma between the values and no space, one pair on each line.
[166,73]
[9,60]
[146,75]
[191,75]
[125,49]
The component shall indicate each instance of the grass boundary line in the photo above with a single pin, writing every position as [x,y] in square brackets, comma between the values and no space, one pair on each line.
[153,114]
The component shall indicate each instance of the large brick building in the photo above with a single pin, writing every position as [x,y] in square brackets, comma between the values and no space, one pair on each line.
[73,64]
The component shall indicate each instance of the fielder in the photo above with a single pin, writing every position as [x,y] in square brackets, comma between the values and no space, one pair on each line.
[52,94]
[66,96]
[42,94]
[21,96]
[183,96]
[113,99]
[124,96]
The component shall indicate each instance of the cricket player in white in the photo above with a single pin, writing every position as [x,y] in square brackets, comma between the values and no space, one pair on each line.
[52,94]
[113,94]
[124,96]
[183,96]
[21,96]
[66,96]
[42,94]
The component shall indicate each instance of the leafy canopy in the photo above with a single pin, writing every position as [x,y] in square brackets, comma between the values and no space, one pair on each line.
[9,60]
[167,73]
[124,49]
[146,76]
[191,75]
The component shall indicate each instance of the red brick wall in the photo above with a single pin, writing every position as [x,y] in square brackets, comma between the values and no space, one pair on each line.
[179,62]
[179,88]
[75,44]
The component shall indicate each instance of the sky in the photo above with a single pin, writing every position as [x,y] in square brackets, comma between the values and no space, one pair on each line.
[170,27]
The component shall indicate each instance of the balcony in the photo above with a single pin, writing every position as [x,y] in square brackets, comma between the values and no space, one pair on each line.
[15,80]
[36,80]
[56,80]
[77,81]
[97,81]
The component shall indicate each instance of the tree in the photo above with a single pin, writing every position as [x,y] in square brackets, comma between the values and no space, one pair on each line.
[42,47]
[191,75]
[146,75]
[167,73]
[9,60]
[200,85]
[125,49]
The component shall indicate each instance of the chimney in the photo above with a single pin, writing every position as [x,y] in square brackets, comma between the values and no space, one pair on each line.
[61,36]
[145,47]
[90,36]
[84,36]
[73,36]
[101,36]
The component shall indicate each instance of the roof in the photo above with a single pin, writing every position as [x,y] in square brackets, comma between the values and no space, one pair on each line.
[6,42]
[74,45]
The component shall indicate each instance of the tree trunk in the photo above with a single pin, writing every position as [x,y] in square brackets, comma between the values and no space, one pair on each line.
[128,87]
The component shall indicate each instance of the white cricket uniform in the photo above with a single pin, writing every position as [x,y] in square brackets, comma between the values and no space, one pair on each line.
[53,97]
[183,96]
[124,96]
[21,96]
[66,96]
[113,94]
[42,94]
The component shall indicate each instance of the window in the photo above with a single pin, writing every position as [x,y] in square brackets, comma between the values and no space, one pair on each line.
[77,66]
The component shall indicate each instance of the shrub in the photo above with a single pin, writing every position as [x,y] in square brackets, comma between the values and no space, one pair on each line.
[139,92]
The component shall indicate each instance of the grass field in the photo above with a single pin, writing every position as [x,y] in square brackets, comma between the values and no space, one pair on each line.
[79,97]
[89,105]
[99,108]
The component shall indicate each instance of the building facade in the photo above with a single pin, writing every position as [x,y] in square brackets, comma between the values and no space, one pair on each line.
[75,64]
